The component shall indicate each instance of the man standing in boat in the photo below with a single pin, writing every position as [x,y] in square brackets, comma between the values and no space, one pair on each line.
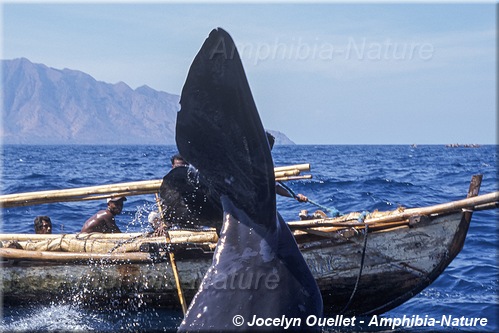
[103,221]
[186,201]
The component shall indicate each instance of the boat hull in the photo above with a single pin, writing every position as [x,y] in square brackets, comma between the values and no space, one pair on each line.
[396,264]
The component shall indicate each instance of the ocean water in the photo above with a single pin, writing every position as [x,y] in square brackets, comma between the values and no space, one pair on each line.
[348,178]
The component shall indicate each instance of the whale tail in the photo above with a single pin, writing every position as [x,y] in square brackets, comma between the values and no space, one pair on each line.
[257,268]
[219,130]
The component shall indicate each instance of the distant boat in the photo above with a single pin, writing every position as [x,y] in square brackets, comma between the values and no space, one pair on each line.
[362,267]
[457,145]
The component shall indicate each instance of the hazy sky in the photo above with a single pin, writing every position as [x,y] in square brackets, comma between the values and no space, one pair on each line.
[324,73]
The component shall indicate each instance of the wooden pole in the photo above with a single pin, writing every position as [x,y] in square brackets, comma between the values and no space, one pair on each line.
[135,257]
[301,167]
[173,263]
[176,236]
[280,179]
[453,206]
[491,205]
[80,194]
[287,173]
[105,191]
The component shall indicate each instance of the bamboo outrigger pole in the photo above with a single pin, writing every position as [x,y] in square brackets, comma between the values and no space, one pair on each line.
[176,236]
[485,201]
[301,167]
[122,189]
[135,257]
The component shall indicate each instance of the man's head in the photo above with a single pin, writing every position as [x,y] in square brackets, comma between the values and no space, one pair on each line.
[177,160]
[43,225]
[115,204]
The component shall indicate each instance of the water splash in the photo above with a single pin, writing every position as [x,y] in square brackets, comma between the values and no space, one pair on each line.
[70,318]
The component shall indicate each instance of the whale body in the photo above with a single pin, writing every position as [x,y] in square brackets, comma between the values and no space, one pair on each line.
[257,269]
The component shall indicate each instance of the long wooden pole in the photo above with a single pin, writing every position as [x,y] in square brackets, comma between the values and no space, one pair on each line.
[280,179]
[121,189]
[176,237]
[80,194]
[301,167]
[173,263]
[135,257]
[480,201]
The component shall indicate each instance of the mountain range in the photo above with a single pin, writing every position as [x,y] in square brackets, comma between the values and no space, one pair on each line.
[44,105]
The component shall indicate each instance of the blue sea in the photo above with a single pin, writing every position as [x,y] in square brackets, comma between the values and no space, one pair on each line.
[345,177]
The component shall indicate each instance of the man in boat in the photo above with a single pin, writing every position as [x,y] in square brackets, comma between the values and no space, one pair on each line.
[103,221]
[281,190]
[285,193]
[178,161]
[43,225]
[186,201]
[189,203]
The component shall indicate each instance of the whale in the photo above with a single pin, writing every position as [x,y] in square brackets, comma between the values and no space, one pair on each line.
[257,270]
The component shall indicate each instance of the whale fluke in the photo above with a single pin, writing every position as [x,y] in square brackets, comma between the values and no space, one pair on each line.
[257,270]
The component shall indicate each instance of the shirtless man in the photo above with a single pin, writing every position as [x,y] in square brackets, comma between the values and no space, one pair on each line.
[103,221]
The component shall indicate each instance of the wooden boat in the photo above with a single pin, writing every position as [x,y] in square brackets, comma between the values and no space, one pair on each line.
[362,264]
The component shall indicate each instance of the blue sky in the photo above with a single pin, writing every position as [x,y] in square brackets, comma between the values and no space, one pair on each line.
[324,73]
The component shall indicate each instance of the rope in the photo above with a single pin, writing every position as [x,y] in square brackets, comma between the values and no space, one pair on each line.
[333,211]
[360,270]
[129,240]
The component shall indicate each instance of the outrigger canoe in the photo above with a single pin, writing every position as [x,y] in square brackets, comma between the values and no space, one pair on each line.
[364,265]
